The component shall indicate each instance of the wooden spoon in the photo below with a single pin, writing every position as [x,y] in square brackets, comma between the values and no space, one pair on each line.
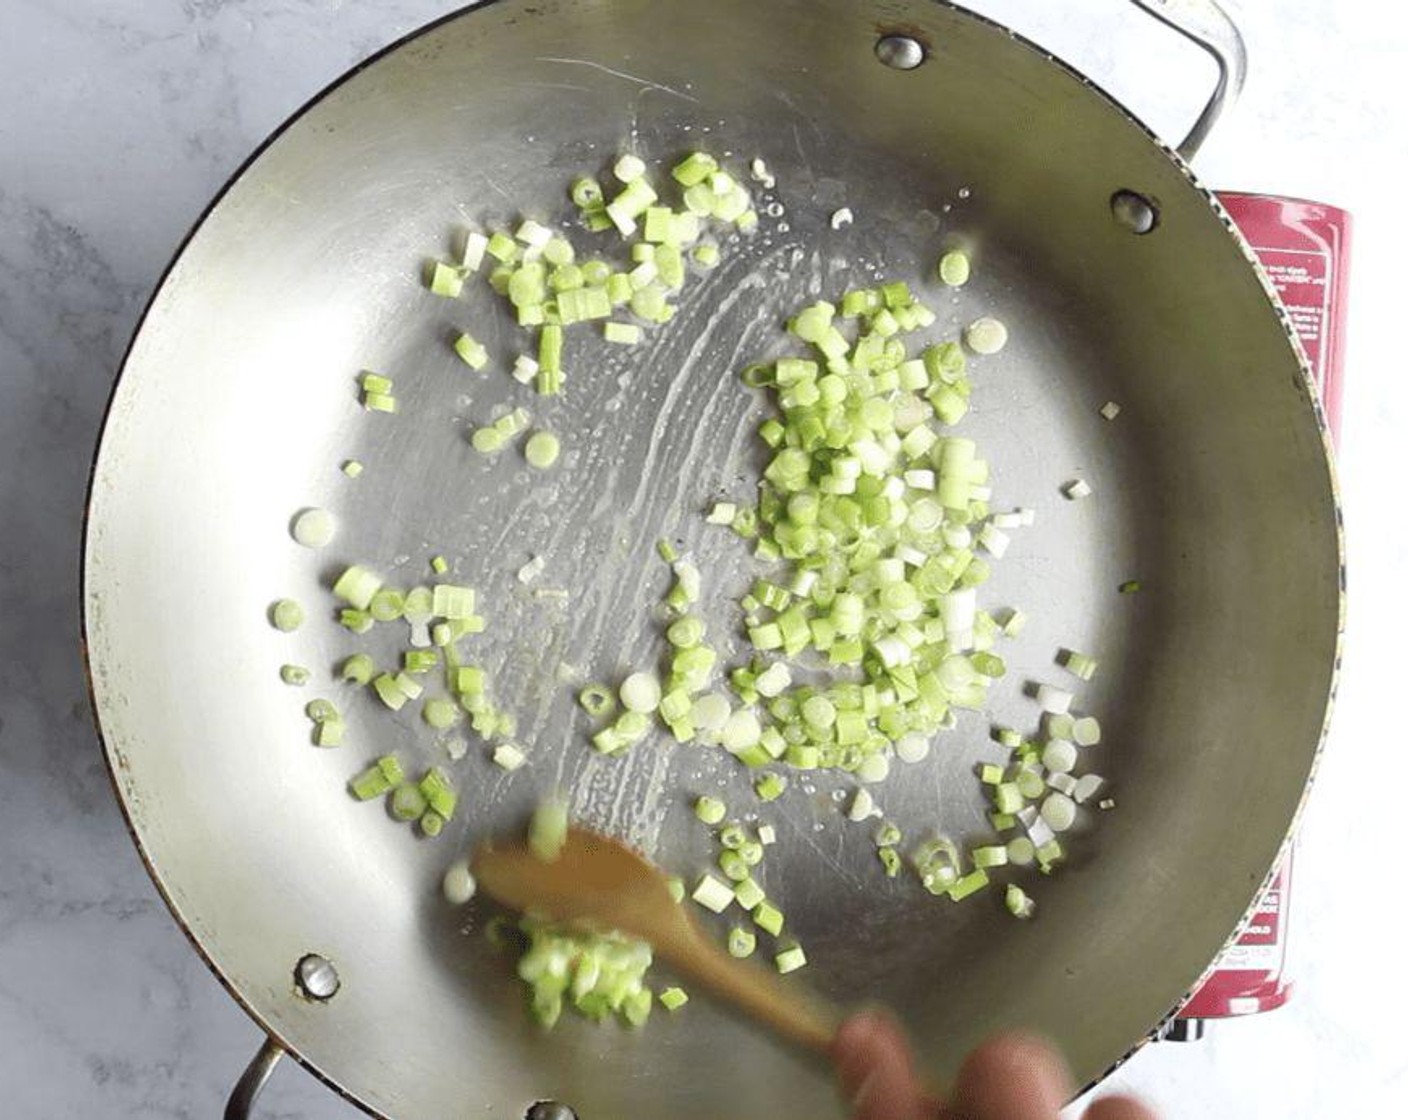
[601,884]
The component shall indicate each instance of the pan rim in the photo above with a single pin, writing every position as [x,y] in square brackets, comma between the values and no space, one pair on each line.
[115,760]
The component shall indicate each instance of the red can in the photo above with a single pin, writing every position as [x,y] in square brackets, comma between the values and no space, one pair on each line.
[1304,249]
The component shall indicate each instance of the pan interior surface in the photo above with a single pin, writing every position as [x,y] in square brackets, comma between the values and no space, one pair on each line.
[238,403]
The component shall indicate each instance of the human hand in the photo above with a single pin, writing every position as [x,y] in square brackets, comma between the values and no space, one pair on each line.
[1008,1077]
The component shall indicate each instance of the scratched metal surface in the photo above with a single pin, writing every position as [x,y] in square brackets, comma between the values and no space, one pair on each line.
[238,404]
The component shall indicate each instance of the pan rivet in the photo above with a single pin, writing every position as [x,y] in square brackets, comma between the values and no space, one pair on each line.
[549,1110]
[1134,211]
[316,977]
[900,52]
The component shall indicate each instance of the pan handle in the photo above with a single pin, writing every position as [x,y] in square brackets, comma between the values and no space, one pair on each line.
[1207,24]
[256,1074]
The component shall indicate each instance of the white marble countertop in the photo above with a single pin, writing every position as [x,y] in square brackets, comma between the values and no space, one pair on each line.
[120,118]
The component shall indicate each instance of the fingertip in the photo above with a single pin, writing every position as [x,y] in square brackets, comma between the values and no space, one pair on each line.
[873,1067]
[1118,1107]
[1013,1075]
[863,1040]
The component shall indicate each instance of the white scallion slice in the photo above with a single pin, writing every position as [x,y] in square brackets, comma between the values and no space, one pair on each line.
[1086,731]
[1021,851]
[640,692]
[874,768]
[954,268]
[547,828]
[314,528]
[712,894]
[1058,811]
[790,959]
[508,756]
[458,883]
[912,747]
[542,450]
[862,806]
[710,712]
[1059,756]
[985,336]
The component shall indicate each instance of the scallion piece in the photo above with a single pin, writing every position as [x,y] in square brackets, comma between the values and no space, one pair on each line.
[733,865]
[640,692]
[1021,851]
[1048,854]
[314,528]
[389,691]
[974,881]
[1080,664]
[322,711]
[407,802]
[295,675]
[741,942]
[1058,811]
[370,783]
[586,192]
[672,999]
[624,334]
[597,700]
[694,169]
[358,669]
[541,450]
[471,352]
[419,660]
[508,756]
[712,894]
[790,959]
[547,830]
[862,806]
[1054,700]
[994,855]
[985,336]
[954,268]
[286,615]
[768,918]
[445,279]
[439,794]
[1059,756]
[710,810]
[356,586]
[748,893]
[1007,797]
[1018,902]
[440,713]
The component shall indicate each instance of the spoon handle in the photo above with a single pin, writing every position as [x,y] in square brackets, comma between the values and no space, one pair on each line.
[793,1012]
